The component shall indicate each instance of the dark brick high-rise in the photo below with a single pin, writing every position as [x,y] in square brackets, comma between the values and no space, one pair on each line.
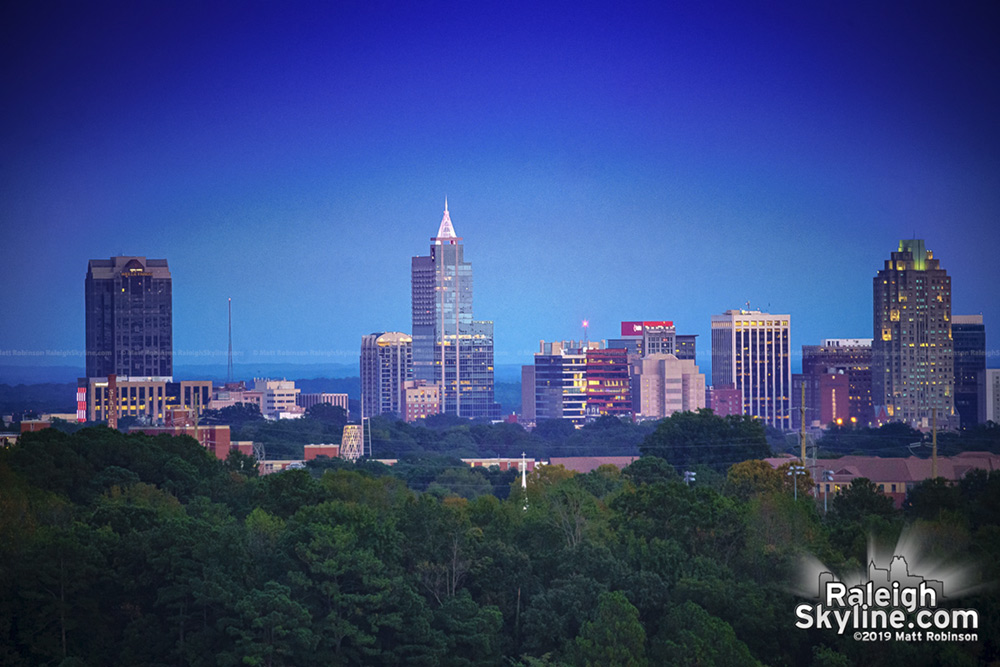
[129,318]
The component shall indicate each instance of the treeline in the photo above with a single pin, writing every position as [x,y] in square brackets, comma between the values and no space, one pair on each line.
[900,440]
[684,438]
[139,550]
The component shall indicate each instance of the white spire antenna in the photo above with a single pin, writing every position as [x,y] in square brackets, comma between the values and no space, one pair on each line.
[446,230]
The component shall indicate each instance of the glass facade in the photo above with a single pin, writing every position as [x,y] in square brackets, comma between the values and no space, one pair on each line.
[750,350]
[450,349]
[386,366]
[129,329]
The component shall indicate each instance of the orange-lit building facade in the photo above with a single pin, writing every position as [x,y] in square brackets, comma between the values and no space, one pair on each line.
[609,389]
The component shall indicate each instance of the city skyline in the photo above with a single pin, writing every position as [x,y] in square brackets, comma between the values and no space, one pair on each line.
[605,165]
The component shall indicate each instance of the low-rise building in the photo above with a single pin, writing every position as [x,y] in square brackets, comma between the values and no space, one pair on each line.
[893,476]
[420,400]
[278,399]
[306,401]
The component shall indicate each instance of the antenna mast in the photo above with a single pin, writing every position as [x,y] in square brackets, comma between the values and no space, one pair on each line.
[229,370]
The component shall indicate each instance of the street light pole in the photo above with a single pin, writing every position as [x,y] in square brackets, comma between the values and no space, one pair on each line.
[827,477]
[794,471]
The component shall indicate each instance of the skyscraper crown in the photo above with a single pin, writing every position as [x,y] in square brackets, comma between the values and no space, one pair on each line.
[446,231]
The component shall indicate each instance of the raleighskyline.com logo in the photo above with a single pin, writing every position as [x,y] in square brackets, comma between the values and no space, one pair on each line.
[888,603]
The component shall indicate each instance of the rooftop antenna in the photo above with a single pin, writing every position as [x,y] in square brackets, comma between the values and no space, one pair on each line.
[586,326]
[229,369]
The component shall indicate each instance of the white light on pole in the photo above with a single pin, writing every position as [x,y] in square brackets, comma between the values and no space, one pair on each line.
[794,471]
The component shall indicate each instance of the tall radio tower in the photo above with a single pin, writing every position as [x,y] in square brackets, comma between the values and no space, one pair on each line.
[229,369]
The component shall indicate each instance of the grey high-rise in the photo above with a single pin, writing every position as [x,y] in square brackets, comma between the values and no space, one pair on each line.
[386,366]
[129,327]
[913,372]
[969,337]
[450,349]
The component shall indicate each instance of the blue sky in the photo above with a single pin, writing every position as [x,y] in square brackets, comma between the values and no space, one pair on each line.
[602,161]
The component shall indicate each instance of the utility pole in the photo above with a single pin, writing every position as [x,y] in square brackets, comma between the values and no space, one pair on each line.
[802,421]
[934,466]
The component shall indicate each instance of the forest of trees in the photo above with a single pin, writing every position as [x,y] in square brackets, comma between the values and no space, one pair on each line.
[139,550]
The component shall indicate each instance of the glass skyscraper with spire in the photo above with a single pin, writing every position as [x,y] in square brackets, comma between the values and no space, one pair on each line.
[450,348]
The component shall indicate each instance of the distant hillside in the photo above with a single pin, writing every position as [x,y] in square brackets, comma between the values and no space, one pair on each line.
[48,397]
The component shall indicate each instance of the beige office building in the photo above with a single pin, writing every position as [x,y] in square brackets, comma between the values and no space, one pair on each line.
[750,350]
[662,384]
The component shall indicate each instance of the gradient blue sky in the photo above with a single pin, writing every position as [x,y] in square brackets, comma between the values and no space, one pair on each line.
[609,161]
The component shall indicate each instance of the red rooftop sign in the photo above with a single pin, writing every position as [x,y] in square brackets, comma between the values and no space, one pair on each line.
[636,328]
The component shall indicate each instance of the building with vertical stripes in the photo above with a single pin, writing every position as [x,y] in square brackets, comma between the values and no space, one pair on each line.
[750,350]
[386,367]
[450,349]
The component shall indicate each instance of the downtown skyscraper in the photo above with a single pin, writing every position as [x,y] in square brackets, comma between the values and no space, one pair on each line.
[386,367]
[129,326]
[450,348]
[750,351]
[913,366]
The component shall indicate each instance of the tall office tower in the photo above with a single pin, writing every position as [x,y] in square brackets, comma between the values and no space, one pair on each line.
[450,349]
[560,381]
[663,384]
[129,329]
[913,371]
[750,350]
[609,390]
[847,356]
[969,337]
[386,366]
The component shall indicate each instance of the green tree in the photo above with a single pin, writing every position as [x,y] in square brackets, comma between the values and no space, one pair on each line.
[747,479]
[614,638]
[689,438]
[273,629]
[692,636]
[862,498]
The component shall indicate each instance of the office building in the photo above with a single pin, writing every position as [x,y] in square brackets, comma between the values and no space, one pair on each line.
[307,401]
[750,350]
[642,338]
[129,330]
[851,357]
[991,385]
[608,379]
[913,369]
[147,401]
[278,398]
[184,421]
[663,384]
[827,399]
[528,394]
[560,381]
[685,345]
[420,400]
[233,394]
[450,349]
[969,338]
[386,366]
[724,400]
